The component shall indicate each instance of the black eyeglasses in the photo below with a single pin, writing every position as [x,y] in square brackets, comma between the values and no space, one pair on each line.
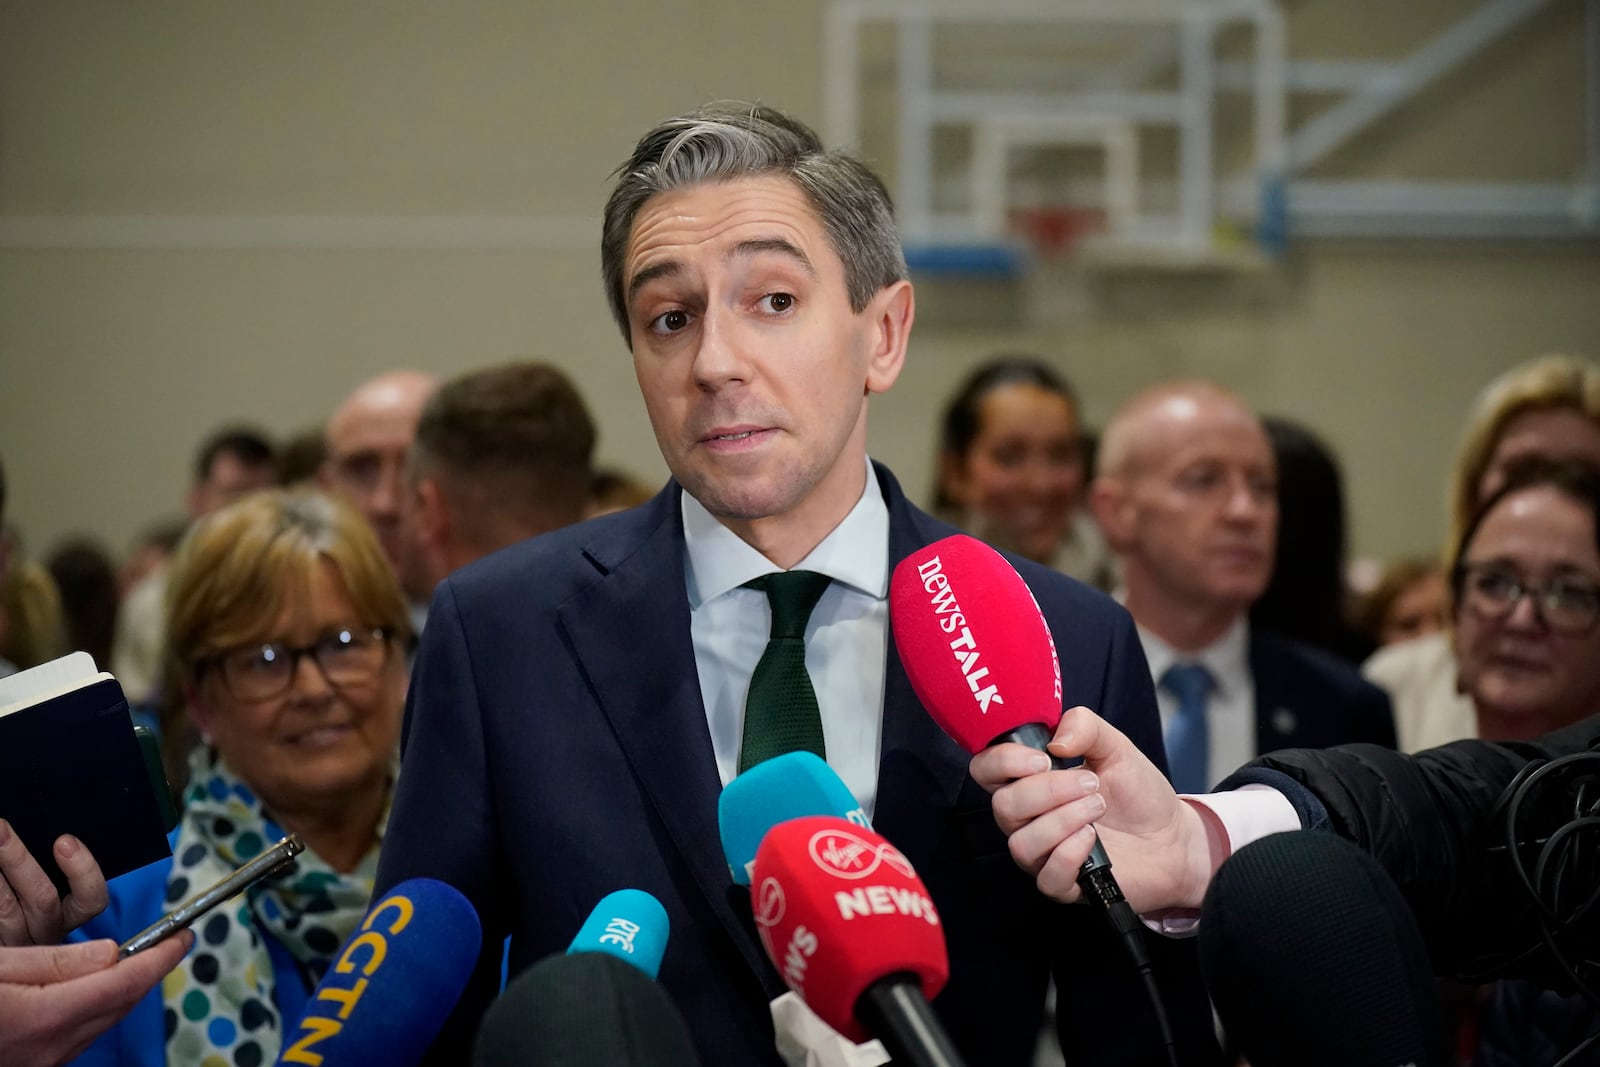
[1568,606]
[346,657]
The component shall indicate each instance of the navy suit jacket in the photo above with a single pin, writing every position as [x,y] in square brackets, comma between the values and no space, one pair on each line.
[556,750]
[1306,698]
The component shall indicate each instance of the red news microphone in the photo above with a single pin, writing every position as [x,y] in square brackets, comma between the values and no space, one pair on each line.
[852,930]
[981,659]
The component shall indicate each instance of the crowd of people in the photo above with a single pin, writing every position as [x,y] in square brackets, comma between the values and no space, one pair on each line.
[583,693]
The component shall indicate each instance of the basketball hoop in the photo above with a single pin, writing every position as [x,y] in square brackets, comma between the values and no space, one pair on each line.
[1054,230]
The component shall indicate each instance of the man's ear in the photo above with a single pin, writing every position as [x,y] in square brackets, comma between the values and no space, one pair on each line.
[1112,508]
[432,516]
[892,310]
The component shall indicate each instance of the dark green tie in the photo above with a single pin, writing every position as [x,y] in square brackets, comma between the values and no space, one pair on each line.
[780,711]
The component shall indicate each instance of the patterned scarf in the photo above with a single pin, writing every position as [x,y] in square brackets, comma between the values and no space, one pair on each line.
[219,1000]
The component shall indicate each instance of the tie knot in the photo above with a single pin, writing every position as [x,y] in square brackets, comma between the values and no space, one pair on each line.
[1189,682]
[792,596]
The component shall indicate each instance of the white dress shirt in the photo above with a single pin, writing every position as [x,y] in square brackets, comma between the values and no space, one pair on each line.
[1231,708]
[846,637]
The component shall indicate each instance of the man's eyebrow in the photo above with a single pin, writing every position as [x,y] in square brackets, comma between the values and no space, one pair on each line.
[783,247]
[650,274]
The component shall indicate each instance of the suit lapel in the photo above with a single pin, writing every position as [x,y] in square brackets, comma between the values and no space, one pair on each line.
[630,634]
[1277,724]
[918,766]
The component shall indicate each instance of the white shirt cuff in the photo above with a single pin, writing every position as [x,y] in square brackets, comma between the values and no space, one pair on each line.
[1247,814]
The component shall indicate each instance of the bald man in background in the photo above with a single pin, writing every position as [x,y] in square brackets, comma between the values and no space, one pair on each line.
[368,440]
[1186,494]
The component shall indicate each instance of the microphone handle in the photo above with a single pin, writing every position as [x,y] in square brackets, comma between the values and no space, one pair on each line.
[895,1012]
[1036,735]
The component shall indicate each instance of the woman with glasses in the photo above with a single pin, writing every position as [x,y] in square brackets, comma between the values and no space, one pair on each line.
[1526,592]
[1547,408]
[1526,609]
[286,631]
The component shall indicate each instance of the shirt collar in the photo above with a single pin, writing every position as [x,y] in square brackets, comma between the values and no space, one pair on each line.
[855,552]
[1227,658]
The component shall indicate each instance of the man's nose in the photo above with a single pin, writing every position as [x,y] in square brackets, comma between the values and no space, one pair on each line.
[720,358]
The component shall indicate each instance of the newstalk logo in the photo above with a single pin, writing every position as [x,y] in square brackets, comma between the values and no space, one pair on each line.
[943,598]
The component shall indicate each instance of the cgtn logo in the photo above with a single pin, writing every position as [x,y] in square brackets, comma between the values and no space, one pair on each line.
[366,952]
[847,855]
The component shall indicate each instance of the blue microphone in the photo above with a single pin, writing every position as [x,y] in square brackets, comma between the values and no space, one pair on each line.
[790,786]
[629,924]
[393,984]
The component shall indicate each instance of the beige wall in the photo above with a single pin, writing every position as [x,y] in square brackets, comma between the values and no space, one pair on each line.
[234,144]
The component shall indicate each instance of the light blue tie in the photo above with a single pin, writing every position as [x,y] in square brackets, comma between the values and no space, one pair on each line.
[1188,737]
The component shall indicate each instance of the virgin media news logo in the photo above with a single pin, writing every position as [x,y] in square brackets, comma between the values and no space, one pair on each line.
[845,855]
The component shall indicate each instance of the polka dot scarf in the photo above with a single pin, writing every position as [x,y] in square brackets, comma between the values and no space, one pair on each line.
[219,1000]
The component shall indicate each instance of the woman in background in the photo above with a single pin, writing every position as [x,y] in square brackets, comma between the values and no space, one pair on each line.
[287,633]
[1549,409]
[1012,469]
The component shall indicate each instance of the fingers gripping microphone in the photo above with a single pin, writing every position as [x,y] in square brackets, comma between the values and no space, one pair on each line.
[850,926]
[785,787]
[980,658]
[394,983]
[979,655]
[629,924]
[1313,958]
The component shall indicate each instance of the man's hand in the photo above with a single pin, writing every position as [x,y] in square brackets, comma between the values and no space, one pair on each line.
[31,913]
[1162,850]
[55,1000]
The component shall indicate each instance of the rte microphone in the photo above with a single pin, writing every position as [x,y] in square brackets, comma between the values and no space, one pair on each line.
[629,924]
[785,787]
[587,1009]
[1313,958]
[980,658]
[394,983]
[852,930]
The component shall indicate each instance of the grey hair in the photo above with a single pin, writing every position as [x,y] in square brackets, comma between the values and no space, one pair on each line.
[722,142]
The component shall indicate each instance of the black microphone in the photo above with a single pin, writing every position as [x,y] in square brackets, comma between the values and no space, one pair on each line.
[1313,959]
[588,1009]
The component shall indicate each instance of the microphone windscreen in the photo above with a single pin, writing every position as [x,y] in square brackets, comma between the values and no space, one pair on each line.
[1313,958]
[975,645]
[584,1010]
[838,908]
[394,982]
[629,924]
[774,791]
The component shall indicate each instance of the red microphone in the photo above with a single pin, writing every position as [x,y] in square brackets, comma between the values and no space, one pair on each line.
[852,930]
[980,657]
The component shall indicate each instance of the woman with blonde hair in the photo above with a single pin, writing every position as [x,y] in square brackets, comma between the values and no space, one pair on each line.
[286,631]
[1546,409]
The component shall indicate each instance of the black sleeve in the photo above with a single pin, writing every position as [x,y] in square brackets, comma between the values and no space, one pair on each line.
[1429,819]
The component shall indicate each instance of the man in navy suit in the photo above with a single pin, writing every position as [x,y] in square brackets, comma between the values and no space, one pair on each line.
[578,699]
[1186,493]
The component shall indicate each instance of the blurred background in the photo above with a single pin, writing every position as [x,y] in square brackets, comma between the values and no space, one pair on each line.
[1355,213]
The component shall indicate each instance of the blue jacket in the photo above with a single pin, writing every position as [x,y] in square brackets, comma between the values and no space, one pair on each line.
[138,899]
